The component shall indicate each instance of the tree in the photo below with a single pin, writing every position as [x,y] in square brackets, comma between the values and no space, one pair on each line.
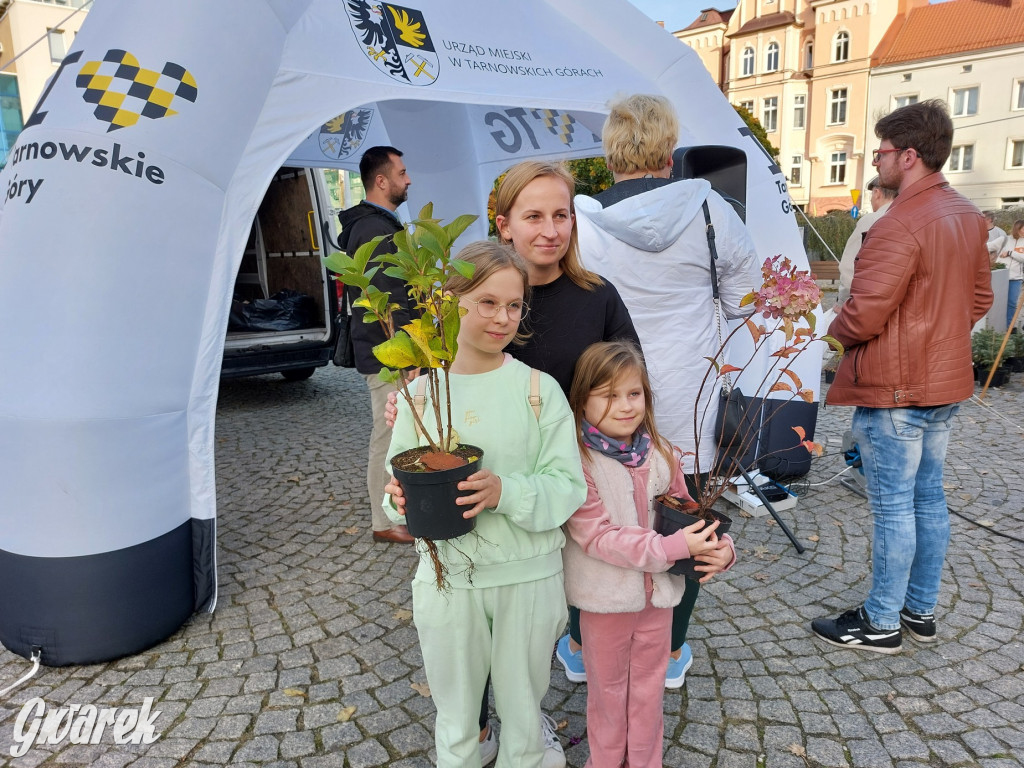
[758,130]
[592,175]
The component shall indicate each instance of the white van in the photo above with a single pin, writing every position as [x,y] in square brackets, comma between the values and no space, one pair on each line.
[285,308]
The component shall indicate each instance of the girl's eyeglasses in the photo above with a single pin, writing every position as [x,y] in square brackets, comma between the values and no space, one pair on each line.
[488,308]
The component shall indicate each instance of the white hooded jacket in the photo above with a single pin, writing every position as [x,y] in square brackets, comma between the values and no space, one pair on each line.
[653,248]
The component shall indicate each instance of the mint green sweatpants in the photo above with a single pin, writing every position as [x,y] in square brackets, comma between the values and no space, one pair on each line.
[508,631]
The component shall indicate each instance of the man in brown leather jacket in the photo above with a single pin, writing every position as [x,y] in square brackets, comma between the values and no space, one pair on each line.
[920,283]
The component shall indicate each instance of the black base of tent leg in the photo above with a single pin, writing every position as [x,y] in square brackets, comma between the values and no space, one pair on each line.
[94,608]
[769,507]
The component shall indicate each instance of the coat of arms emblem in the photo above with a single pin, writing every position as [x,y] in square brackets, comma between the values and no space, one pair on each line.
[344,134]
[395,39]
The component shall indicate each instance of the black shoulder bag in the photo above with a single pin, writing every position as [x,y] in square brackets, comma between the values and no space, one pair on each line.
[344,352]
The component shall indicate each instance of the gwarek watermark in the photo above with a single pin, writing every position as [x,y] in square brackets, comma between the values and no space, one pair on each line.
[82,724]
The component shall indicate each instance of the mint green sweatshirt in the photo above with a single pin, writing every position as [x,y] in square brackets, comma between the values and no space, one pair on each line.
[538,462]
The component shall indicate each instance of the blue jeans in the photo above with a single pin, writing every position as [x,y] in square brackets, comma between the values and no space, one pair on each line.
[1012,296]
[903,450]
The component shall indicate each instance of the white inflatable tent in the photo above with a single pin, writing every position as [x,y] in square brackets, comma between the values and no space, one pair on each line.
[126,204]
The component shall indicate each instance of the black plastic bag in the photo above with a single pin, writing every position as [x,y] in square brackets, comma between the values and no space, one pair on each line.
[284,311]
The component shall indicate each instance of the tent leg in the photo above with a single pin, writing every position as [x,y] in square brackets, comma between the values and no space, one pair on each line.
[769,507]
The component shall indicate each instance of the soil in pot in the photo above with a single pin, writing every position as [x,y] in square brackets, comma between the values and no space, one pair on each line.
[672,517]
[430,508]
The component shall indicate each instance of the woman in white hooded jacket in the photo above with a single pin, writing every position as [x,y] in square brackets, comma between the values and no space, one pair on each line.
[646,234]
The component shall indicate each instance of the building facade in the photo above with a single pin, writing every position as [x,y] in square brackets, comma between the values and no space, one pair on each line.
[35,35]
[970,53]
[819,73]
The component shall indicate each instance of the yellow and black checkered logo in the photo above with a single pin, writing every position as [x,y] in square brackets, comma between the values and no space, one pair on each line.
[559,123]
[123,91]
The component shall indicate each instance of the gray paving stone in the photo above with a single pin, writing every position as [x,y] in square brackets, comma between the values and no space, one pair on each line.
[305,605]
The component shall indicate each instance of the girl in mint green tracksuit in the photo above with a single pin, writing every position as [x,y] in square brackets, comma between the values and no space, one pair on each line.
[505,616]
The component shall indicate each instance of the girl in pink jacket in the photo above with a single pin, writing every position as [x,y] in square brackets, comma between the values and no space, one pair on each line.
[615,563]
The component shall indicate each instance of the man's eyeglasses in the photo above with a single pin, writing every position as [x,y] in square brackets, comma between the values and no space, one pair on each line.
[488,308]
[876,156]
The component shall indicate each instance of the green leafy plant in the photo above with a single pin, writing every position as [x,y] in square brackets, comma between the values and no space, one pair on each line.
[423,261]
[984,347]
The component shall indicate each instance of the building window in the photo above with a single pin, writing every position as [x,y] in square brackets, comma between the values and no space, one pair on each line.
[809,55]
[1016,153]
[962,158]
[771,63]
[902,101]
[965,101]
[837,107]
[10,115]
[1012,202]
[770,114]
[1018,94]
[747,105]
[799,110]
[841,48]
[55,37]
[748,62]
[794,170]
[837,168]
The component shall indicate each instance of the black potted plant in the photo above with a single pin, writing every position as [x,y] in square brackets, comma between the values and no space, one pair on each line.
[423,260]
[1015,352]
[985,346]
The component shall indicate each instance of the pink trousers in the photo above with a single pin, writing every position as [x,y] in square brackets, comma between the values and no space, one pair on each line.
[626,656]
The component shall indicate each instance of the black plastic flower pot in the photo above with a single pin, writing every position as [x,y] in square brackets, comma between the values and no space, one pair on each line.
[999,378]
[430,508]
[669,520]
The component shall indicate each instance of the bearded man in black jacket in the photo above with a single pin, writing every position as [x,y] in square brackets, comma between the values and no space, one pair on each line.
[386,182]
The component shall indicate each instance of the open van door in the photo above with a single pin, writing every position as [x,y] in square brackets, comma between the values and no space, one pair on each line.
[282,314]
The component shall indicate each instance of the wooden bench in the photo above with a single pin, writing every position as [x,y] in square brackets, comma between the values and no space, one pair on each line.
[825,270]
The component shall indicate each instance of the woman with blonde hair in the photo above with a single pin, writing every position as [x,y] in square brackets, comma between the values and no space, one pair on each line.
[570,306]
[647,233]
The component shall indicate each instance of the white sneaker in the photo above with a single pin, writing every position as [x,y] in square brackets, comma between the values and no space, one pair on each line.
[489,747]
[554,755]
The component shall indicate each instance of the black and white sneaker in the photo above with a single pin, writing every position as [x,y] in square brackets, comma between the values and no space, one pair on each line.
[853,630]
[921,626]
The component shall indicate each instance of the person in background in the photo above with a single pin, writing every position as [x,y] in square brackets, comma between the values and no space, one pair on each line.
[995,235]
[922,281]
[386,182]
[647,235]
[881,198]
[1011,254]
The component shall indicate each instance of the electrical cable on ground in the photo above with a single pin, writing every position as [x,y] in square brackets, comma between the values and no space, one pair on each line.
[37,655]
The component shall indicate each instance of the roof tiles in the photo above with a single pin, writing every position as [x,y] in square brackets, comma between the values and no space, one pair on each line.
[958,26]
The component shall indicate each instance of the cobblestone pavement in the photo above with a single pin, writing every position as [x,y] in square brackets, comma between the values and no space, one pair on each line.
[310,659]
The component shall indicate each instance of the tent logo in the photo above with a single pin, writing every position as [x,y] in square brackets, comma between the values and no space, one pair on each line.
[123,91]
[344,134]
[395,39]
[559,123]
